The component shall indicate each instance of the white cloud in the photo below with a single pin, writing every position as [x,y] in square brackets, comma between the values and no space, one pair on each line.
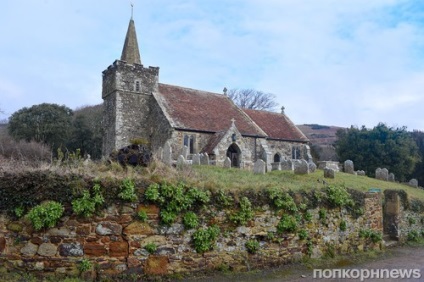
[329,61]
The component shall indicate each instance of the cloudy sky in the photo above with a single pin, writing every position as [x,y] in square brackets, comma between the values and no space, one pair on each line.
[332,62]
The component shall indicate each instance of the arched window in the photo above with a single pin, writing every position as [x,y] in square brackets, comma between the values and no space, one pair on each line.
[277,158]
[137,86]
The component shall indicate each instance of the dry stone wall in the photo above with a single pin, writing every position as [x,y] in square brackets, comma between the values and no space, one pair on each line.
[115,239]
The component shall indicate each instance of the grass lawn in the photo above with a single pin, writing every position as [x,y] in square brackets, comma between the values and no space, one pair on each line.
[210,177]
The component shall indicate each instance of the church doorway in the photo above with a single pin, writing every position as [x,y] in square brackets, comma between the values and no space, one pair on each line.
[234,153]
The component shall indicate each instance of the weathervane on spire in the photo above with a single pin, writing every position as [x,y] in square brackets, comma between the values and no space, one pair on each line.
[132,9]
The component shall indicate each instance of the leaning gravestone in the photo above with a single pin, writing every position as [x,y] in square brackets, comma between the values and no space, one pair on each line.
[227,162]
[204,159]
[195,159]
[348,167]
[413,183]
[391,177]
[167,154]
[312,166]
[181,162]
[301,167]
[329,173]
[259,167]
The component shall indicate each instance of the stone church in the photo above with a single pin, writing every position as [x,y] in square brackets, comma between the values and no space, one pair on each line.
[136,105]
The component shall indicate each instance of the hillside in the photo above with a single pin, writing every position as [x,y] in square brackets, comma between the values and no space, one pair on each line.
[320,134]
[322,138]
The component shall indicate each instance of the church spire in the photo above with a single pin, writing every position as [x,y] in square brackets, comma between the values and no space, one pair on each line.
[130,52]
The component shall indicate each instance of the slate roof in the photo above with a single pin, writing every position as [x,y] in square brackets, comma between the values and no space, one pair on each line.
[197,110]
[276,125]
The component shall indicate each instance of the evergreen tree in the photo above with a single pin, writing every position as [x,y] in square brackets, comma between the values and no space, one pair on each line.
[384,147]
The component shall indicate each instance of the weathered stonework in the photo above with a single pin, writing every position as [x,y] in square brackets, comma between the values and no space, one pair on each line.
[119,245]
[126,108]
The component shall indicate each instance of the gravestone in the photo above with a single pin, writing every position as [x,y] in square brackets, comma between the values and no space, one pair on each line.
[360,173]
[167,153]
[301,167]
[196,159]
[348,167]
[259,167]
[385,174]
[286,165]
[87,161]
[227,162]
[181,162]
[312,166]
[329,173]
[391,177]
[413,183]
[276,166]
[204,159]
[185,152]
[382,174]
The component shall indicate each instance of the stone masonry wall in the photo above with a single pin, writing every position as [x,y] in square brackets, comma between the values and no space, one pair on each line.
[114,241]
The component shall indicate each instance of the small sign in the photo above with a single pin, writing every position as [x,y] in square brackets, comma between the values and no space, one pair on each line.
[374,190]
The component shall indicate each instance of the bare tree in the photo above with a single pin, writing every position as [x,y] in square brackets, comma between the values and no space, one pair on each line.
[252,99]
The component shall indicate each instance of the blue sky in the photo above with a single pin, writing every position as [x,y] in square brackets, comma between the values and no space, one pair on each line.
[332,62]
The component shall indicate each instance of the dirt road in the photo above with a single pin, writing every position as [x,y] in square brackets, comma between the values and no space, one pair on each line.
[402,257]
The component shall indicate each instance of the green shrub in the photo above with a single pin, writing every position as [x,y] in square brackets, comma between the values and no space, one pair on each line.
[190,220]
[244,214]
[411,220]
[142,216]
[86,205]
[343,225]
[282,200]
[223,199]
[174,199]
[45,215]
[309,247]
[413,235]
[84,265]
[303,234]
[19,211]
[127,191]
[152,193]
[151,248]
[307,216]
[204,238]
[374,236]
[338,196]
[167,217]
[252,246]
[322,213]
[288,223]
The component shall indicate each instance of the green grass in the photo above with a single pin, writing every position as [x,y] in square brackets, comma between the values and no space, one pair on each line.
[216,178]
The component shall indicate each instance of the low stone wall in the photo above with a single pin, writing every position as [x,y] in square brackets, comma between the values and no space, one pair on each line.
[114,240]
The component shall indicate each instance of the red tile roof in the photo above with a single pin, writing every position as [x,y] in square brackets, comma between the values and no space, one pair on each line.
[192,109]
[276,125]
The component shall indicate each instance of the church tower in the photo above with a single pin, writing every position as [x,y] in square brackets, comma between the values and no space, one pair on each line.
[127,95]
